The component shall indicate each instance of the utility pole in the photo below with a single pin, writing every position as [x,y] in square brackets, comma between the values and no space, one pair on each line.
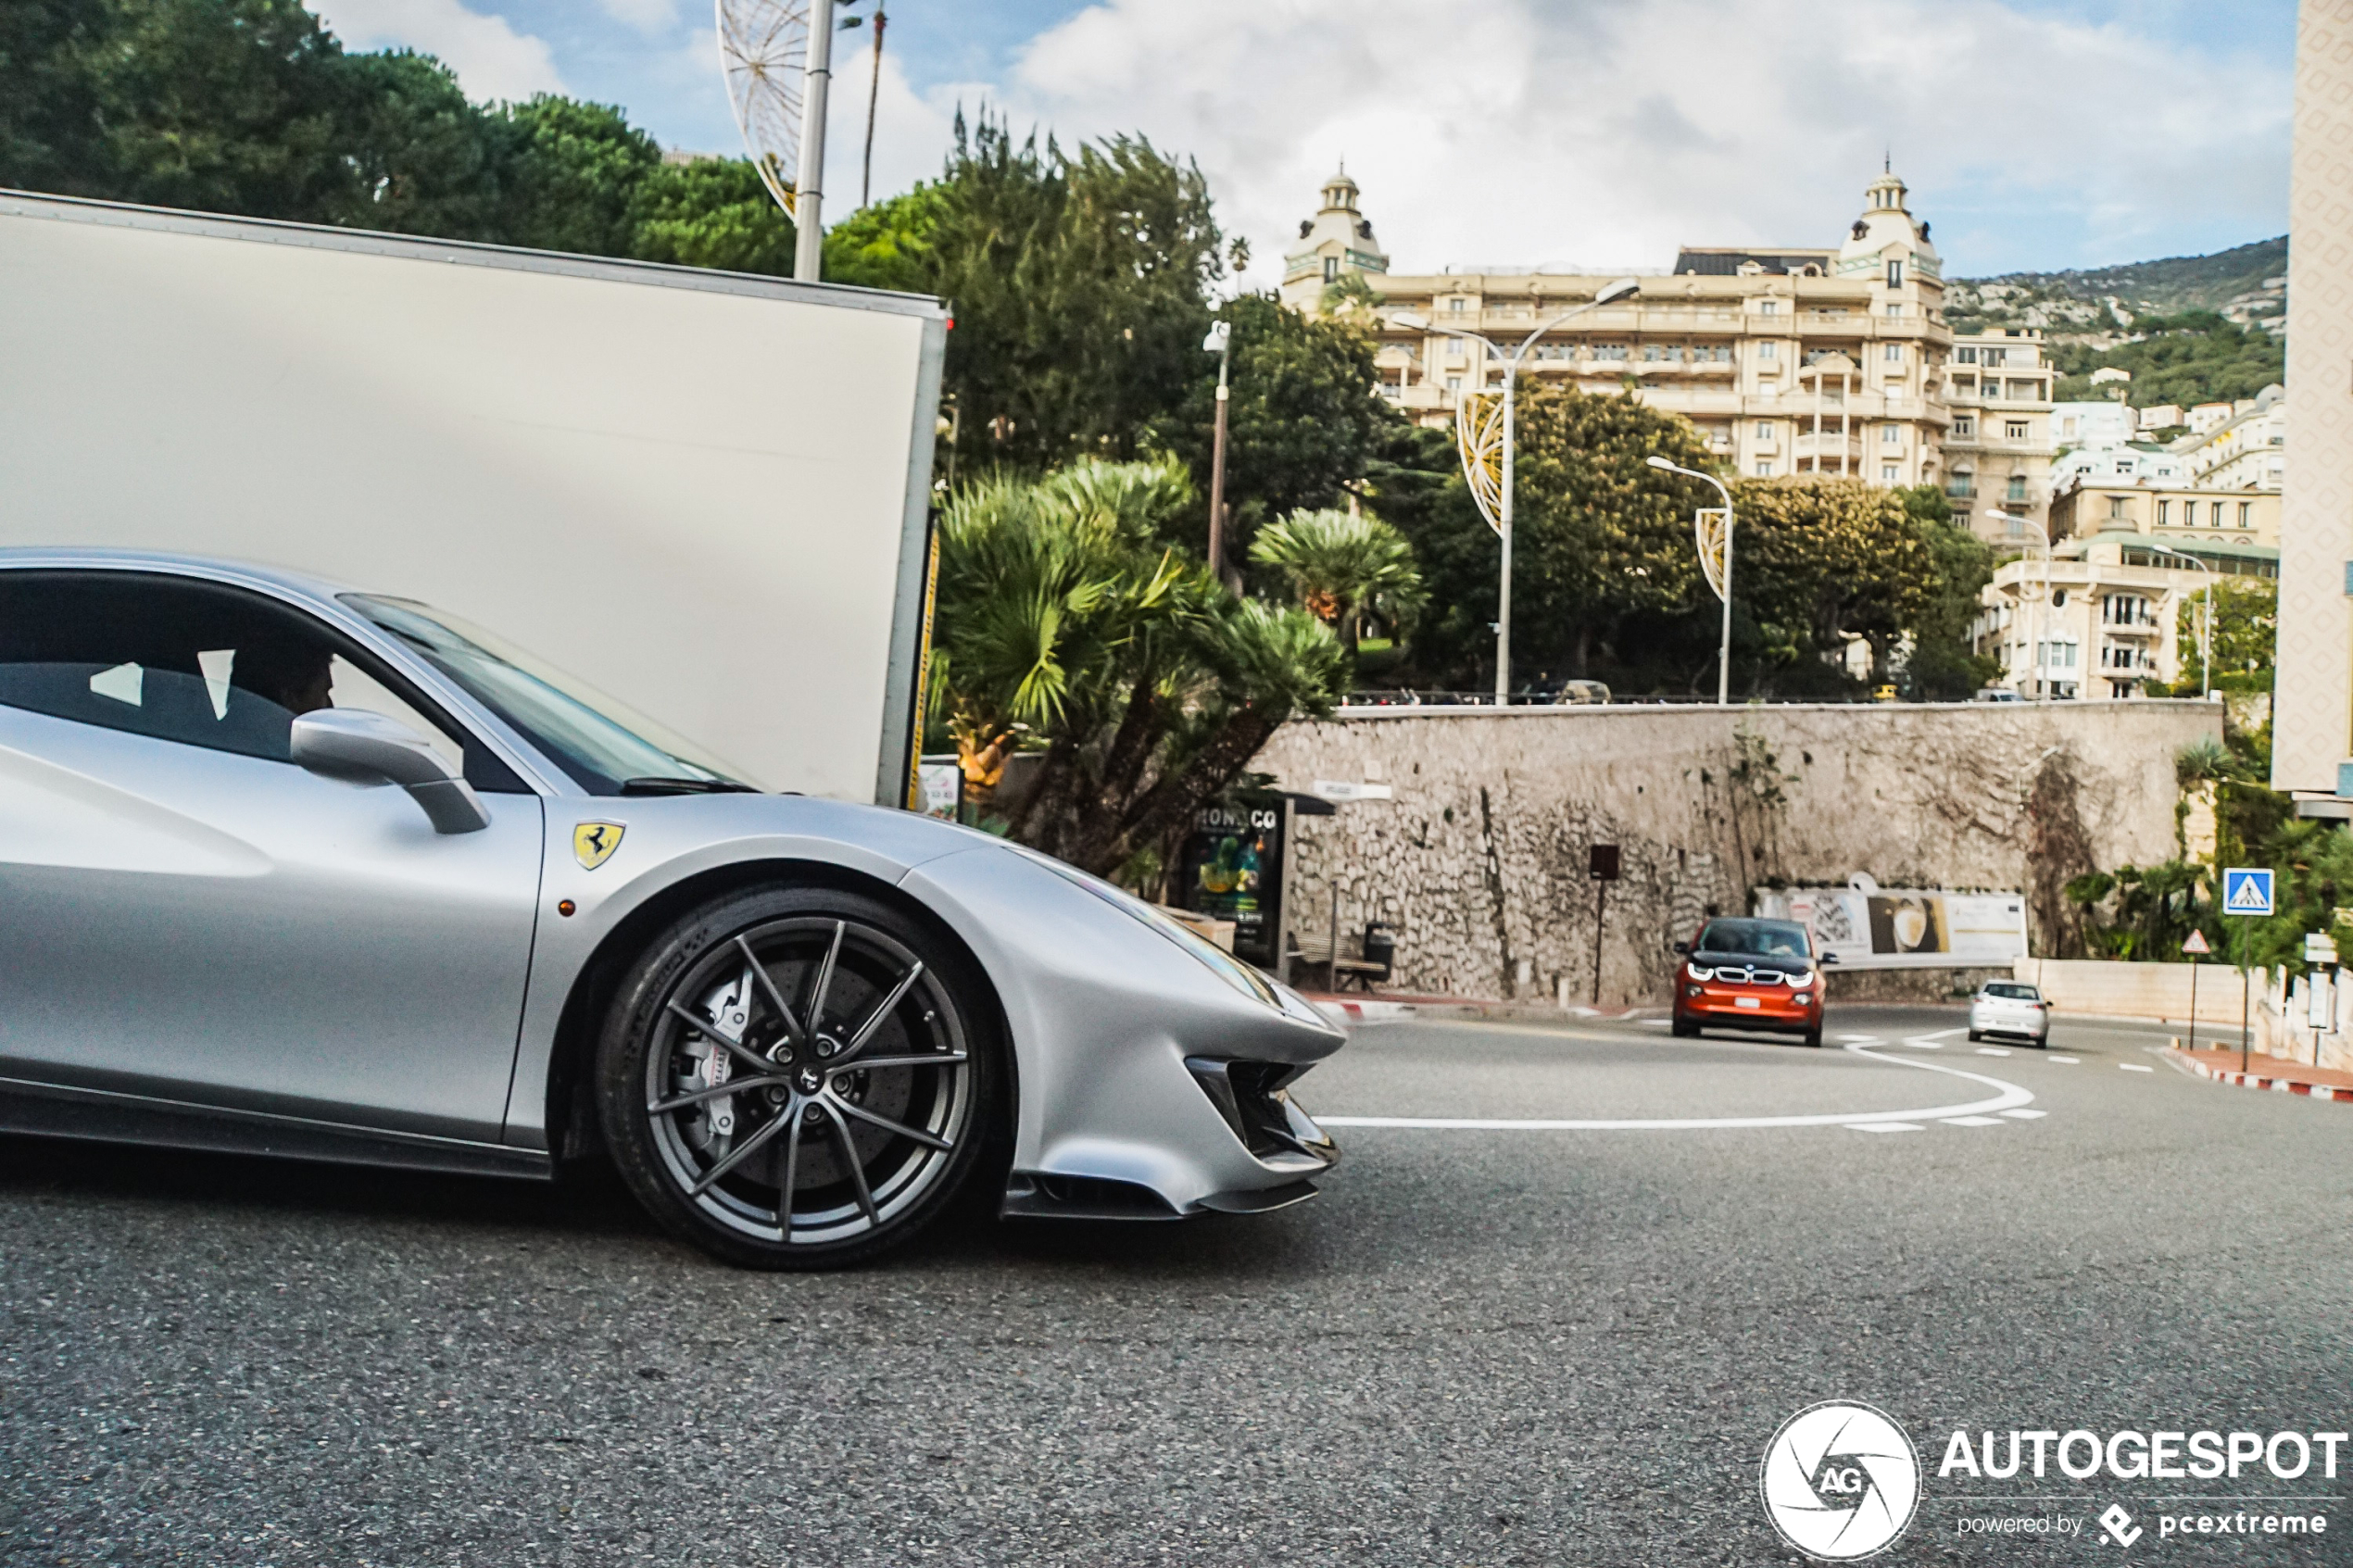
[809,199]
[873,93]
[1219,342]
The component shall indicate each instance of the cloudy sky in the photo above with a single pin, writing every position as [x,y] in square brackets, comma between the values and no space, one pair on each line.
[2034,134]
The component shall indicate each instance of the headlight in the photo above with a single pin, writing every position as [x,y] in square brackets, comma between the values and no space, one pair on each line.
[1698,973]
[1231,969]
[1799,982]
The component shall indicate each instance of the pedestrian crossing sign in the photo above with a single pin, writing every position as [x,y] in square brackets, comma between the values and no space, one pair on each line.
[2246,890]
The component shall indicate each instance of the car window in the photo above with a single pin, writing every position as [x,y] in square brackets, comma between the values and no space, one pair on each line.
[1756,938]
[199,663]
[606,749]
[2012,993]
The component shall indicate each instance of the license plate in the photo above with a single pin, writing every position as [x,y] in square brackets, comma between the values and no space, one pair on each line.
[1748,1001]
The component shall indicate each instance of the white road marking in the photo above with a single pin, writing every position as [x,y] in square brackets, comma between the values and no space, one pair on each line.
[1991,1050]
[2136,1067]
[1858,1039]
[2025,1115]
[1925,1045]
[1655,1022]
[1885,1127]
[2070,1060]
[2010,1095]
[1971,1121]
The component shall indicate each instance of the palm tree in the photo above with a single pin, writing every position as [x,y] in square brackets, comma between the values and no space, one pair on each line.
[1063,619]
[1343,564]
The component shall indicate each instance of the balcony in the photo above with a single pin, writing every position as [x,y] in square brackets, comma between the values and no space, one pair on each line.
[1825,449]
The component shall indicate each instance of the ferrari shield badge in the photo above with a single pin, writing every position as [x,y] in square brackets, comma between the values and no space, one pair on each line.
[593,843]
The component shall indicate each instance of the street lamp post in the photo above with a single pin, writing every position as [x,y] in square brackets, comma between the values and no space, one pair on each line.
[809,219]
[1502,520]
[1219,342]
[1724,651]
[2206,631]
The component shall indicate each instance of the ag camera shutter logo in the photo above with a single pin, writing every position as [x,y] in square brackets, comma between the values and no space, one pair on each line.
[1839,1481]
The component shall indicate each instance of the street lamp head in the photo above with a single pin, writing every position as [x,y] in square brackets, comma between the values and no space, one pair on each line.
[1617,290]
[1411,320]
[1658,462]
[1220,335]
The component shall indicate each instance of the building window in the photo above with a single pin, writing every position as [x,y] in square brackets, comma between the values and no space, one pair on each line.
[1764,468]
[2164,514]
[1769,351]
[1961,484]
[1891,435]
[1965,356]
[2014,429]
[1455,307]
[1893,353]
[1994,357]
[1963,427]
[1331,268]
[2018,488]
[1454,383]
[1769,307]
[1652,354]
[1896,310]
[2017,525]
[1894,274]
[2246,514]
[1764,430]
[1887,474]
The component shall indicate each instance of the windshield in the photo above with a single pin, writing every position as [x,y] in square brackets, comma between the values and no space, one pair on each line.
[1755,938]
[2009,993]
[605,747]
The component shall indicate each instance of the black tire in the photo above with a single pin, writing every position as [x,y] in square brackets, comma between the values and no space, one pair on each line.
[862,1159]
[1975,1035]
[1813,1038]
[1684,1031]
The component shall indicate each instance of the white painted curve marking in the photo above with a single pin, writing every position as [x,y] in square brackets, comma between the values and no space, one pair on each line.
[2011,1095]
[1991,1050]
[2024,1115]
[1972,1121]
[2136,1067]
[2069,1060]
[1885,1127]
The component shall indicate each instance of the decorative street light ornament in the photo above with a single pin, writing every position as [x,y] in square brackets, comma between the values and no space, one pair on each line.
[1712,527]
[763,48]
[1479,432]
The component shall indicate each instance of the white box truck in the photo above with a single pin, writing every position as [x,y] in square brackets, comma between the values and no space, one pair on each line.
[703,493]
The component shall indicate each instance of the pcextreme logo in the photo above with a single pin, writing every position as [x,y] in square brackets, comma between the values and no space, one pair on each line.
[1841,1481]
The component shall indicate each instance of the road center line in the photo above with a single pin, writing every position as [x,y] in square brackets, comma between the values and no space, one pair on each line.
[2010,1097]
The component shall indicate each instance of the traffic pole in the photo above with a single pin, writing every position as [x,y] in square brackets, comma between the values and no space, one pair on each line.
[2193,1002]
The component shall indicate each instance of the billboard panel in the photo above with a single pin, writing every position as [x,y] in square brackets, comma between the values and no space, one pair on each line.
[1873,927]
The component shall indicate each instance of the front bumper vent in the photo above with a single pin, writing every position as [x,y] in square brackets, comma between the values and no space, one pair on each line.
[1252,1097]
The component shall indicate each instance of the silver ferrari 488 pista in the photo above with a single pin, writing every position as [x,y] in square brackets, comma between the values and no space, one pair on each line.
[290,869]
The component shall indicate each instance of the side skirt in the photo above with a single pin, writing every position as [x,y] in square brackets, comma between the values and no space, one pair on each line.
[106,1116]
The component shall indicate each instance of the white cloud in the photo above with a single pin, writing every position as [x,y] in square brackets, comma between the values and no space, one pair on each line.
[1599,132]
[651,18]
[491,59]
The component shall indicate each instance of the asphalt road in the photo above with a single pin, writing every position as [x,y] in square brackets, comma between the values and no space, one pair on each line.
[1482,1345]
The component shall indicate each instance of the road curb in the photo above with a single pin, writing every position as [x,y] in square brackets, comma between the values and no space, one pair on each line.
[2255,1080]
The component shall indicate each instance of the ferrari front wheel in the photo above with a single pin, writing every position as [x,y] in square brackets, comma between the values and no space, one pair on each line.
[799,1078]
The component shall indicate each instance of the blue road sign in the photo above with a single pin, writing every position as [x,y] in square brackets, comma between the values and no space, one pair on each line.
[2246,890]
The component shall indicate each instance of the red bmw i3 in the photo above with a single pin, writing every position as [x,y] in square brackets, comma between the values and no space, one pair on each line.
[1749,974]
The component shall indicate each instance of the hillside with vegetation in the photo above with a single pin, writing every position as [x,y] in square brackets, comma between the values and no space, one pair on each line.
[2246,284]
[2191,328]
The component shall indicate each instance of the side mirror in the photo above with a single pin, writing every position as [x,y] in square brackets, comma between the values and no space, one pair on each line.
[1828,959]
[1682,947]
[350,742]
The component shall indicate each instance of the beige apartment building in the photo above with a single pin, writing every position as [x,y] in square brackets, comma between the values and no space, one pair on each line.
[2095,619]
[1999,445]
[1829,360]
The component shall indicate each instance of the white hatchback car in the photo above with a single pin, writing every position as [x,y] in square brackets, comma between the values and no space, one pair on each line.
[2013,1011]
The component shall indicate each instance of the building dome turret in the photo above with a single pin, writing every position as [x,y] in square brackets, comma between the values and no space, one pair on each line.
[1887,231]
[1336,242]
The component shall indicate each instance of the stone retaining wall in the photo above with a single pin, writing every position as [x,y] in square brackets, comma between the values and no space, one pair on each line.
[1480,859]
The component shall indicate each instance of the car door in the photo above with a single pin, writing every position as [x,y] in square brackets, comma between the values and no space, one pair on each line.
[191,916]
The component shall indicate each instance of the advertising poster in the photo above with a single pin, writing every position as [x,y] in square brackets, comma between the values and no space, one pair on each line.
[1874,927]
[1231,867]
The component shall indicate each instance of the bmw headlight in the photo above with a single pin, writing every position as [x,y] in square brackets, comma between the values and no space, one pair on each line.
[1698,973]
[1799,982]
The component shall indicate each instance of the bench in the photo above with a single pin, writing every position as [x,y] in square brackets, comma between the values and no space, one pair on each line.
[1315,953]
